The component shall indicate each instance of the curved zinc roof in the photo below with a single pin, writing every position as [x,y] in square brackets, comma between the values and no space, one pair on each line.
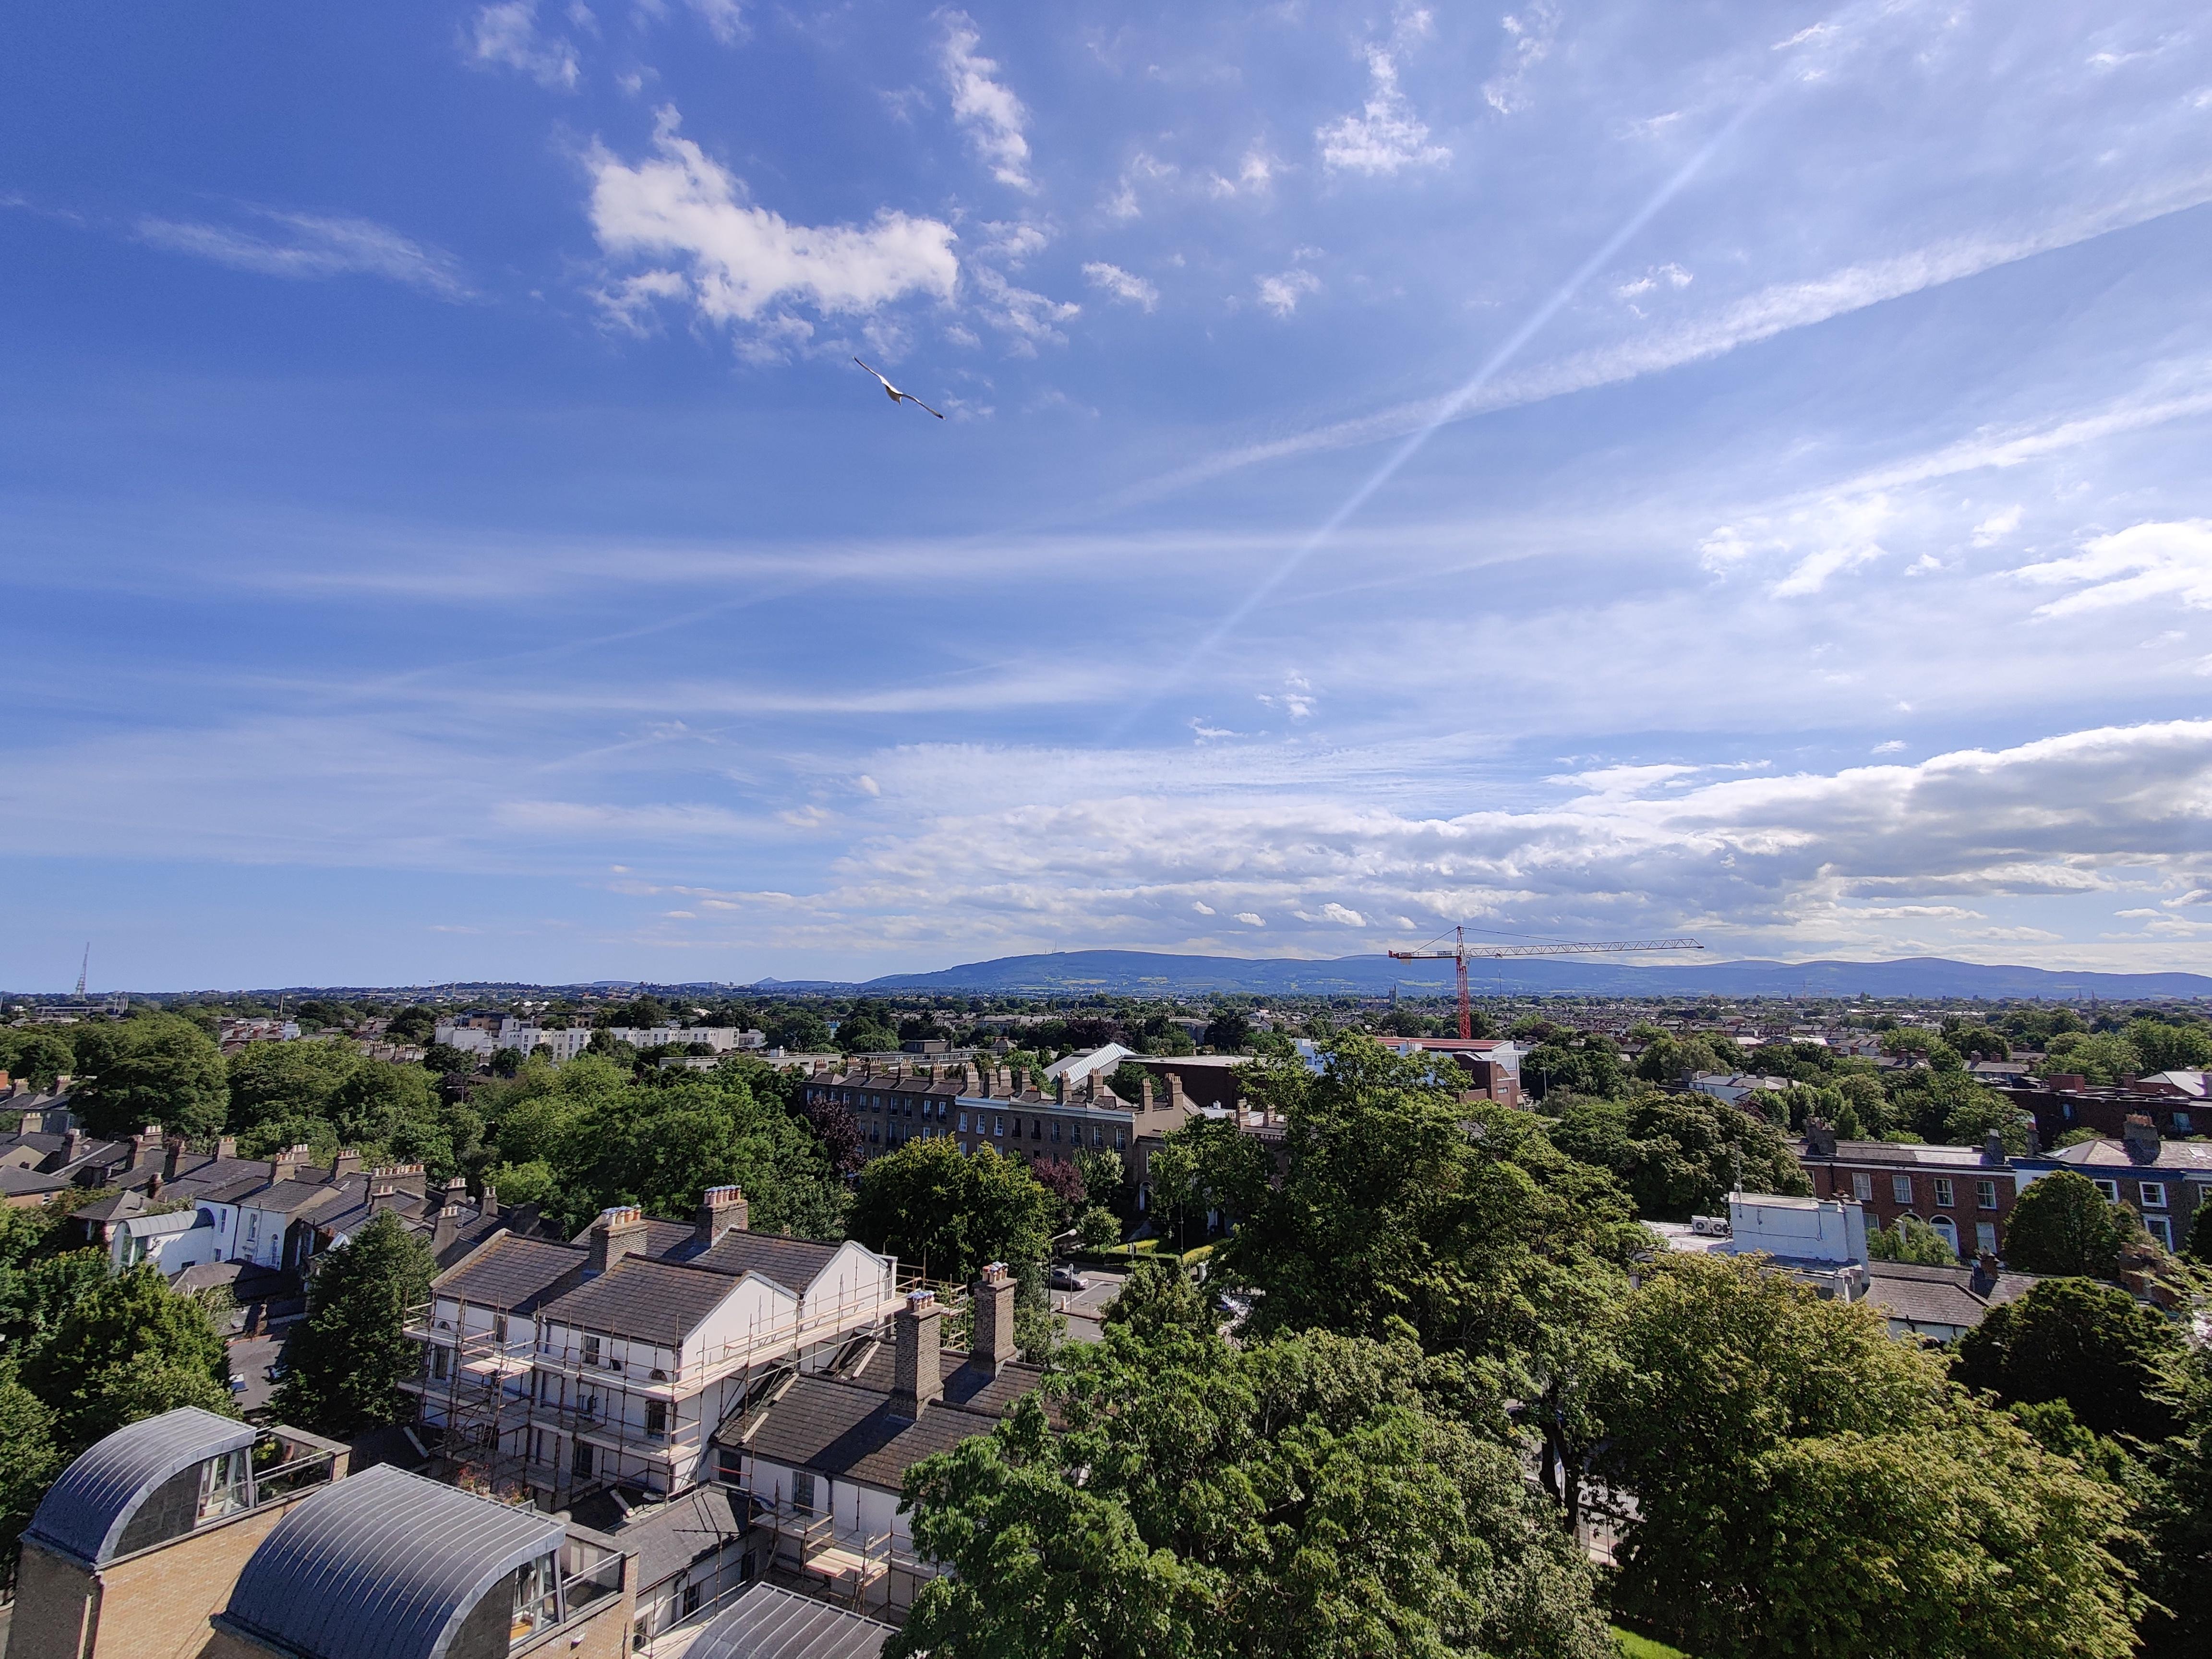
[769,1622]
[384,1565]
[85,1512]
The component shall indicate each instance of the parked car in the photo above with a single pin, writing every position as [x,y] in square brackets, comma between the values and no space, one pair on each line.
[1064,1278]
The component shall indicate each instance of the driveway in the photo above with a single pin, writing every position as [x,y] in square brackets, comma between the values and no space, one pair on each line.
[1086,1308]
[251,1358]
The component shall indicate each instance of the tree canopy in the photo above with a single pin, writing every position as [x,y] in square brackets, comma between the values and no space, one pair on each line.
[154,1068]
[2062,1225]
[947,1215]
[1679,1155]
[349,1357]
[2115,1362]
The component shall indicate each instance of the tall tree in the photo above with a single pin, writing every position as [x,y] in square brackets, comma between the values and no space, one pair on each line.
[1805,1485]
[946,1215]
[349,1357]
[163,1070]
[29,1460]
[127,1347]
[1680,1155]
[2062,1225]
[2116,1362]
[1305,1497]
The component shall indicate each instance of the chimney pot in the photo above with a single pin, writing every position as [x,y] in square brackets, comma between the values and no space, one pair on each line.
[226,1147]
[2142,1137]
[348,1162]
[721,1210]
[491,1202]
[619,1231]
[917,1374]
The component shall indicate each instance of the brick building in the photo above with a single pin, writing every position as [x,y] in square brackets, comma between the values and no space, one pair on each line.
[1965,1192]
[2164,1181]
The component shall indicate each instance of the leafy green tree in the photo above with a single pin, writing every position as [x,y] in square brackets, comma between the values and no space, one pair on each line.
[1679,1155]
[2062,1226]
[864,1034]
[1805,1485]
[1586,1065]
[1298,1499]
[2177,1517]
[442,1059]
[2115,1362]
[29,1460]
[1097,1228]
[125,1348]
[413,1025]
[1911,1239]
[377,1100]
[2166,1047]
[1228,1032]
[2102,1058]
[946,1215]
[165,1070]
[38,1056]
[349,1357]
[281,1080]
[1930,1103]
[800,1031]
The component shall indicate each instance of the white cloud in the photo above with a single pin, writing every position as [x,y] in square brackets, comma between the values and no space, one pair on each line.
[1386,136]
[984,106]
[725,19]
[1342,916]
[1895,745]
[1013,243]
[867,786]
[1121,284]
[1995,528]
[307,246]
[741,259]
[1281,293]
[1031,319]
[1528,37]
[1251,920]
[2169,561]
[505,36]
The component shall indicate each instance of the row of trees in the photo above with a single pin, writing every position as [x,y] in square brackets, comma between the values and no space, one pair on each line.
[1439,1289]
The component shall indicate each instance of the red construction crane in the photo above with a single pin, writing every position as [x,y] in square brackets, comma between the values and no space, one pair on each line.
[1459,952]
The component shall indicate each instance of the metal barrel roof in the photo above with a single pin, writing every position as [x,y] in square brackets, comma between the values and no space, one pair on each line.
[770,1622]
[84,1514]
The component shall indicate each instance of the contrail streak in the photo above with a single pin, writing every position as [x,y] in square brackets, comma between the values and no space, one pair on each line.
[1452,405]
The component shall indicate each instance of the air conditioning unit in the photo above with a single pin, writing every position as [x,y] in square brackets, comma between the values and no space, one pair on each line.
[1710,1226]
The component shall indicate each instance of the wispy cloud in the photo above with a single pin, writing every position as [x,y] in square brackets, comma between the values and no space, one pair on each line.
[1280,294]
[506,35]
[1386,137]
[308,246]
[984,106]
[2168,563]
[1121,285]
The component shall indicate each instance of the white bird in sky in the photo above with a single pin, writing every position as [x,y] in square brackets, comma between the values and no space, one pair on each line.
[895,395]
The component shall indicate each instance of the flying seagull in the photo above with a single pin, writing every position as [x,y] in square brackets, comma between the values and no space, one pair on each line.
[895,395]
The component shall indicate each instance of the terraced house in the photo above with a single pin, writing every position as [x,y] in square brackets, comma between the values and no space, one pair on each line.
[609,1361]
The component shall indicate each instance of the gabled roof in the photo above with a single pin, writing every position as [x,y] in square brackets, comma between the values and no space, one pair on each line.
[847,1428]
[86,1513]
[24,1183]
[661,1237]
[770,1622]
[2112,1158]
[792,1263]
[384,1565]
[647,1301]
[679,1532]
[513,1273]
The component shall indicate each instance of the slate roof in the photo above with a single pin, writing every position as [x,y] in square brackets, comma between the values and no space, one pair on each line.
[1940,1296]
[84,1513]
[25,1183]
[790,1262]
[846,1427]
[513,1274]
[384,1565]
[679,1532]
[2103,1155]
[660,1236]
[1891,1151]
[647,1301]
[770,1622]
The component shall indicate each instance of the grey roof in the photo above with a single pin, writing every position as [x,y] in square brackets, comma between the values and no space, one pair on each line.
[1893,1151]
[384,1566]
[770,1622]
[679,1532]
[20,1184]
[655,1301]
[790,1262]
[84,1513]
[512,1273]
[2104,1155]
[848,1429]
[660,1236]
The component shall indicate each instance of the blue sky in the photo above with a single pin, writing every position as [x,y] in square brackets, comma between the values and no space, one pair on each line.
[1589,471]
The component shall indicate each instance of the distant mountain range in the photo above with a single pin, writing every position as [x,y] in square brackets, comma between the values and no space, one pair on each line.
[1075,972]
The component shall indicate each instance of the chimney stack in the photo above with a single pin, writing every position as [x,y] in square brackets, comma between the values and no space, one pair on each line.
[448,1229]
[619,1231]
[1993,1150]
[226,1147]
[286,1163]
[348,1162]
[1145,1094]
[721,1210]
[2141,1135]
[490,1203]
[1177,1101]
[917,1377]
[72,1146]
[994,1317]
[1060,1088]
[146,1147]
[173,1154]
[1819,1138]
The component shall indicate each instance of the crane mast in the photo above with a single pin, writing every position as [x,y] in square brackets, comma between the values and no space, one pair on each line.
[1459,952]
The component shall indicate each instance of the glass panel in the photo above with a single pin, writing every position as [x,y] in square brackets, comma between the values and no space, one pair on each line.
[537,1598]
[226,1487]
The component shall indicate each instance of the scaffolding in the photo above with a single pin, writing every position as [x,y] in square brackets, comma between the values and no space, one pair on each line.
[477,1399]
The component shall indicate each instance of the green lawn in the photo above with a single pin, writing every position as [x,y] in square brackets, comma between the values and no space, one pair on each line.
[1633,1646]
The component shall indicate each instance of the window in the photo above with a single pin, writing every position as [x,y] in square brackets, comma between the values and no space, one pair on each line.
[537,1597]
[1900,1188]
[963,1124]
[1863,1187]
[442,1362]
[802,1492]
[1098,1136]
[2154,1194]
[2181,1123]
[1985,1236]
[2161,1228]
[656,1420]
[225,1486]
[2111,1190]
[1121,1139]
[1943,1192]
[1055,1132]
[1036,1128]
[579,1458]
[691,1598]
[999,1126]
[591,1350]
[1985,1195]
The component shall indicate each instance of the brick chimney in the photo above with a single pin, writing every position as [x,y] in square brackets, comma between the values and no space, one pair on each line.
[721,1210]
[173,1154]
[226,1147]
[618,1232]
[286,1163]
[1060,1088]
[994,1317]
[72,1146]
[146,1147]
[348,1162]
[489,1202]
[1819,1138]
[1993,1151]
[1176,1101]
[1984,1278]
[2142,1137]
[917,1376]
[1145,1094]
[448,1229]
